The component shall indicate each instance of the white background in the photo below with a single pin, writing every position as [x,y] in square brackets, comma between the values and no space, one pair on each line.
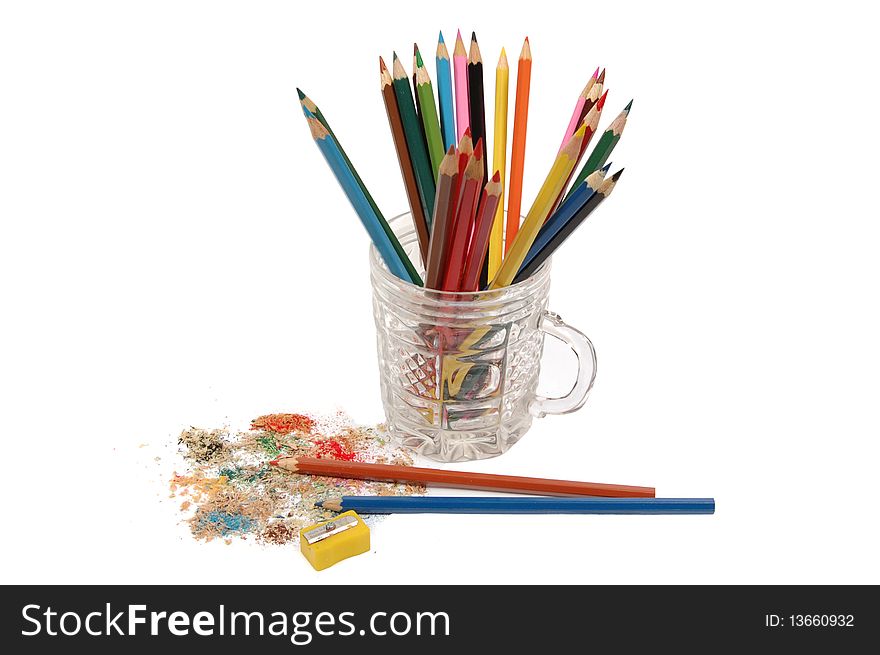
[175,252]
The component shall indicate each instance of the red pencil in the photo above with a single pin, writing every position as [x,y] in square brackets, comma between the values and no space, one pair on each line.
[464,220]
[470,281]
[458,479]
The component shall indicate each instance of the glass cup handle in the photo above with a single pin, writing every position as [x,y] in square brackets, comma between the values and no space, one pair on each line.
[552,324]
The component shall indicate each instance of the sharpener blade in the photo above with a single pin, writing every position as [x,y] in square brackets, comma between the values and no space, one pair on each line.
[329,529]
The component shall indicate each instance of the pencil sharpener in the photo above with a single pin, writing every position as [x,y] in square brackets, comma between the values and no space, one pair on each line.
[325,544]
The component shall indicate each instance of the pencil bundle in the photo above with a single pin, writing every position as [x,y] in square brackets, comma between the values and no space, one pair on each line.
[457,176]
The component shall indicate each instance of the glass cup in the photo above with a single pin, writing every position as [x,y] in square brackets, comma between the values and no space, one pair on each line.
[459,371]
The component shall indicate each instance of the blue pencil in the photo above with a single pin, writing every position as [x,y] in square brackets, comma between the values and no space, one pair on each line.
[518,505]
[356,196]
[560,222]
[444,94]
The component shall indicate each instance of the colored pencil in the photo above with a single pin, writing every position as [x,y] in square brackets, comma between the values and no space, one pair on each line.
[591,122]
[499,162]
[407,171]
[414,140]
[445,204]
[518,149]
[577,116]
[476,101]
[413,275]
[356,196]
[457,479]
[550,241]
[540,209]
[560,216]
[430,121]
[470,279]
[604,147]
[444,94]
[517,505]
[464,220]
[459,64]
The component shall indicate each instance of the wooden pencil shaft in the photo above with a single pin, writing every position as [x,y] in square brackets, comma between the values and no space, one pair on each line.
[462,479]
[430,120]
[499,163]
[444,95]
[474,263]
[395,243]
[523,505]
[444,215]
[558,237]
[540,209]
[461,231]
[356,197]
[414,140]
[403,159]
[518,149]
[477,111]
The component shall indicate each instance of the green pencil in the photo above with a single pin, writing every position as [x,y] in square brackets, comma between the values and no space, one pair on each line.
[430,120]
[603,148]
[417,151]
[306,102]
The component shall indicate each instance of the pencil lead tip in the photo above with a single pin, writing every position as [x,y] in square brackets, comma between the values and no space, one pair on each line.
[527,39]
[596,73]
[415,49]
[467,132]
[382,66]
[478,149]
[627,108]
[300,93]
[617,175]
[605,168]
[601,78]
[497,177]
[394,55]
[601,103]
[458,35]
[473,36]
[440,39]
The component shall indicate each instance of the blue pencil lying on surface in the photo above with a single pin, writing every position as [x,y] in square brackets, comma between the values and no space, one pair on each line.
[518,505]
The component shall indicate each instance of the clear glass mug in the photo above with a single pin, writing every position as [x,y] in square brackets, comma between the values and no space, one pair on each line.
[459,371]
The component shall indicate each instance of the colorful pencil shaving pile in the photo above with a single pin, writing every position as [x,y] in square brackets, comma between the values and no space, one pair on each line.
[457,208]
[230,489]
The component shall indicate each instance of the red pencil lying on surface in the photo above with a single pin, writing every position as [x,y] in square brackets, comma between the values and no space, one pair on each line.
[457,479]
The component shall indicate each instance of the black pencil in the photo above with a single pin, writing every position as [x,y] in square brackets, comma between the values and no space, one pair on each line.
[476,106]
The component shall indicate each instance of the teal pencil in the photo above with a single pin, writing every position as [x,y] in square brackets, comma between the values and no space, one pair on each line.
[444,93]
[355,196]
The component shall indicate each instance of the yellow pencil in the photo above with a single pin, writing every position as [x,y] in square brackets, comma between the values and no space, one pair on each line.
[499,162]
[550,190]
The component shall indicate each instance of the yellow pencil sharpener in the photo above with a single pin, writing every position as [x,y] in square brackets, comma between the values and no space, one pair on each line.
[324,544]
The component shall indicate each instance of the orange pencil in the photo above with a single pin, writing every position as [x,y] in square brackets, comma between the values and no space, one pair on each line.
[518,151]
[458,479]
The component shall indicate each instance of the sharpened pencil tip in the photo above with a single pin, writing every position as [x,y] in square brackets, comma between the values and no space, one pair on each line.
[605,168]
[617,175]
[393,55]
[478,149]
[300,93]
[440,39]
[601,103]
[382,66]
[627,108]
[473,36]
[601,79]
[596,73]
[497,177]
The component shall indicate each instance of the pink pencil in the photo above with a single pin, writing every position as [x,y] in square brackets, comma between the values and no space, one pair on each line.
[462,103]
[577,115]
